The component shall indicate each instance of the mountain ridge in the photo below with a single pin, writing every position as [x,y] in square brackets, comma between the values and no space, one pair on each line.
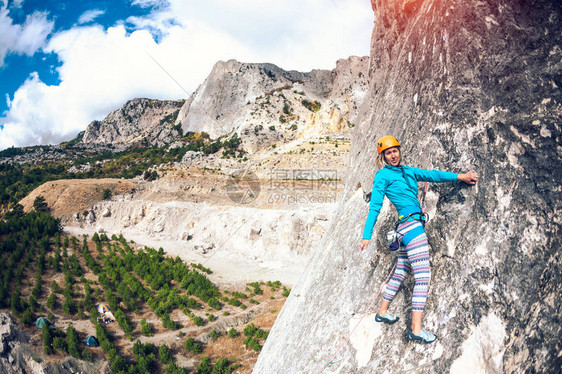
[236,98]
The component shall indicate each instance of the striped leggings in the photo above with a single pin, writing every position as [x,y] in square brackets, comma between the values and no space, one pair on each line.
[415,256]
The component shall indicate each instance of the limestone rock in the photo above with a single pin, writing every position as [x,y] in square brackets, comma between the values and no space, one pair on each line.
[90,216]
[143,121]
[265,104]
[462,85]
[20,354]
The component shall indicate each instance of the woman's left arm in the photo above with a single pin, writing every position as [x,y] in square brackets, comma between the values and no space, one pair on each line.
[444,176]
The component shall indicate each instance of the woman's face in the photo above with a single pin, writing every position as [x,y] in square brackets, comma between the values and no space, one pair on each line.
[392,156]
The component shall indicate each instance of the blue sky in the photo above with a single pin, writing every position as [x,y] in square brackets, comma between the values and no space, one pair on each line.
[66,63]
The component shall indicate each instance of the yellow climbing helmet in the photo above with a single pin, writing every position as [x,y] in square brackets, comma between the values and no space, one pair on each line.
[386,142]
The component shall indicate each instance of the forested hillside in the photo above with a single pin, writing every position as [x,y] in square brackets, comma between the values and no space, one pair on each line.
[168,315]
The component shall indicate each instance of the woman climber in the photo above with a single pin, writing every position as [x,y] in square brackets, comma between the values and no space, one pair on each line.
[400,184]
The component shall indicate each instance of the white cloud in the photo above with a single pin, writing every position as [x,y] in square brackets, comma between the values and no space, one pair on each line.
[23,39]
[150,3]
[101,69]
[90,15]
[294,34]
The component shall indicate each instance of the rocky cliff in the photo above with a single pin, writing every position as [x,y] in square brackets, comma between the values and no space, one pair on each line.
[462,85]
[260,102]
[145,121]
[245,97]
[22,353]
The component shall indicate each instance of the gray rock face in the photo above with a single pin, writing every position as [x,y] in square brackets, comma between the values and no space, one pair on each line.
[139,120]
[20,353]
[249,98]
[462,85]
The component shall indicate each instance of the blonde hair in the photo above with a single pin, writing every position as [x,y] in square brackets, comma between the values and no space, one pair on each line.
[381,161]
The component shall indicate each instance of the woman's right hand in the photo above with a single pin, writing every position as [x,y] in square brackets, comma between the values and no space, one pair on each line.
[364,243]
[470,178]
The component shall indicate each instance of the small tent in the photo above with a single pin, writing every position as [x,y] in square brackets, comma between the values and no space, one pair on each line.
[107,317]
[42,321]
[102,308]
[91,341]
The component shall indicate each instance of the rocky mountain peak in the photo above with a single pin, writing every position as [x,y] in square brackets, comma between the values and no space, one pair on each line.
[137,121]
[247,97]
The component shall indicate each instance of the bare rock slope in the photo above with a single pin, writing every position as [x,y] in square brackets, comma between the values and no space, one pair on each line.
[145,121]
[241,97]
[22,353]
[462,85]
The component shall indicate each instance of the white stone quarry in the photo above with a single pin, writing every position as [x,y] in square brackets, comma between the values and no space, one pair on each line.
[268,244]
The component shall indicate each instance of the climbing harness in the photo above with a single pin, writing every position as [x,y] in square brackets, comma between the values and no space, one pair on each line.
[331,360]
[393,237]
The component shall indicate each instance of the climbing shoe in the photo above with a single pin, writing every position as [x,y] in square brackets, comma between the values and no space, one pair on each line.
[387,318]
[424,336]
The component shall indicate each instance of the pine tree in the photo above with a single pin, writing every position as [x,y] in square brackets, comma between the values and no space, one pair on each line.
[47,340]
[72,341]
[40,205]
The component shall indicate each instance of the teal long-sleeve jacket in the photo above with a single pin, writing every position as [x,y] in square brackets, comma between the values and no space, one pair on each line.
[400,185]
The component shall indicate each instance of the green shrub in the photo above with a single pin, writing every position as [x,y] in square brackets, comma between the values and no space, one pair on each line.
[146,328]
[239,295]
[250,330]
[59,344]
[27,317]
[192,346]
[106,195]
[47,340]
[198,321]
[204,366]
[214,303]
[164,354]
[252,343]
[261,334]
[313,106]
[222,366]
[72,342]
[256,286]
[214,334]
[87,356]
[40,205]
[232,333]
